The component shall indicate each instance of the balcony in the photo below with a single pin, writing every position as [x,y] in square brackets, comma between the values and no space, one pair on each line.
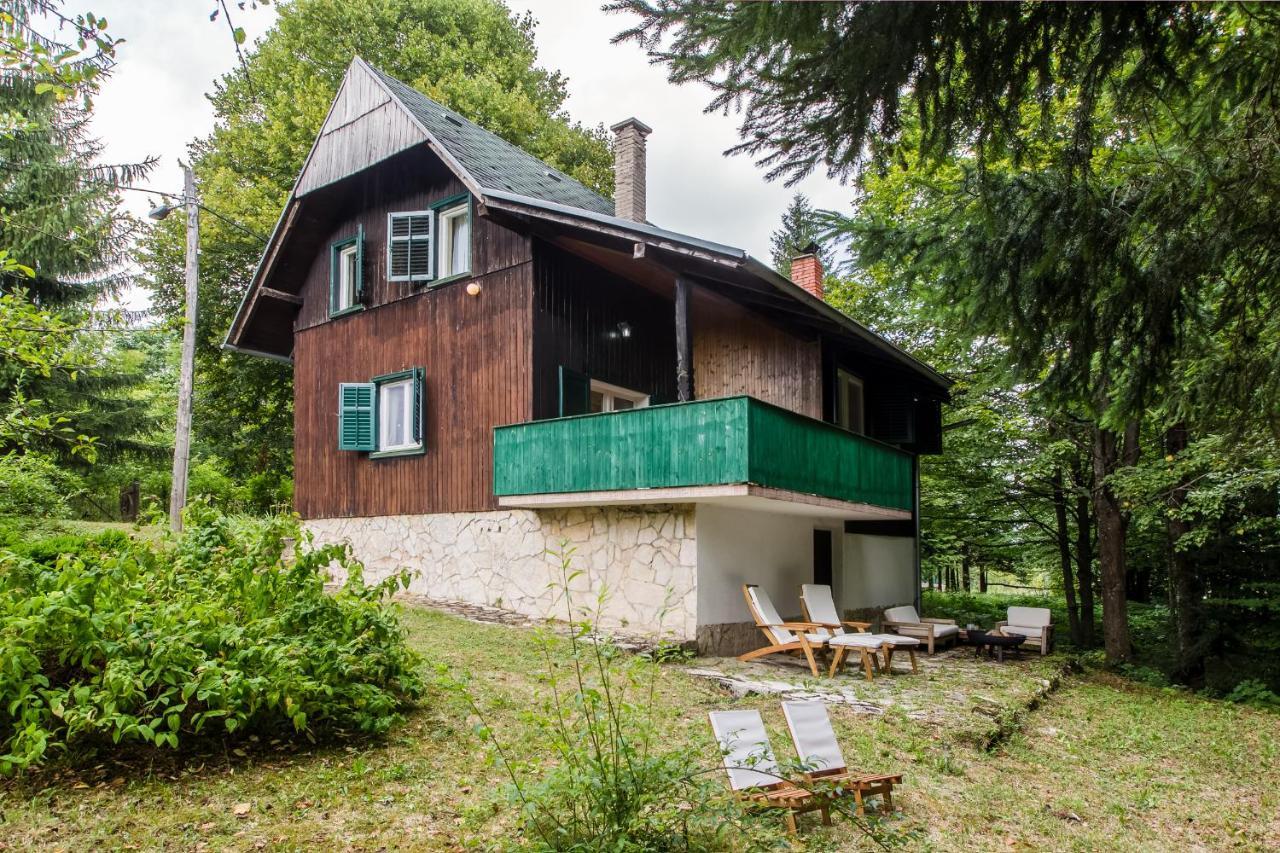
[731,449]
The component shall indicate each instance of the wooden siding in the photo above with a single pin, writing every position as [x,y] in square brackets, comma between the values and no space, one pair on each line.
[364,126]
[735,351]
[577,309]
[476,353]
[710,442]
[407,183]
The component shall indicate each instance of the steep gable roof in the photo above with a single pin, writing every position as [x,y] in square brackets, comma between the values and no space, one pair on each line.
[491,161]
[375,116]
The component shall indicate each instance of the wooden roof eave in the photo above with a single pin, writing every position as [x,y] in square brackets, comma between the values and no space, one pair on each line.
[726,259]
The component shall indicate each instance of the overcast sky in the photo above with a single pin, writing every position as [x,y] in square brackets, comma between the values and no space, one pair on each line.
[154,104]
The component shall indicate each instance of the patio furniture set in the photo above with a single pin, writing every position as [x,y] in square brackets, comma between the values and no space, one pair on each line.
[823,631]
[824,778]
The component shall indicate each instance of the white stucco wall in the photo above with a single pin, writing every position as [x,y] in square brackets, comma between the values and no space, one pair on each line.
[644,556]
[743,546]
[878,571]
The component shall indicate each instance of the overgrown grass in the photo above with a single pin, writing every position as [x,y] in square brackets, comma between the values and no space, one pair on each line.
[1102,764]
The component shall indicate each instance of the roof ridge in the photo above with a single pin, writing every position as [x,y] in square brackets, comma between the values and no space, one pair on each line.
[401,90]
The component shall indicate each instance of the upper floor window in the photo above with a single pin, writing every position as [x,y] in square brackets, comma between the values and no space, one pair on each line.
[409,246]
[455,240]
[430,244]
[346,280]
[850,410]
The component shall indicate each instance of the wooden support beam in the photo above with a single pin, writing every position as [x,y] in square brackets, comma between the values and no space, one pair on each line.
[684,342]
[271,292]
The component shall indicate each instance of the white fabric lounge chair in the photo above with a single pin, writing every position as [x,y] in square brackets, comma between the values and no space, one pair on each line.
[804,637]
[818,748]
[819,606]
[932,632]
[753,771]
[1034,623]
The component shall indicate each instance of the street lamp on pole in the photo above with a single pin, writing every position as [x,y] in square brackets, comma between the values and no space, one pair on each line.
[186,381]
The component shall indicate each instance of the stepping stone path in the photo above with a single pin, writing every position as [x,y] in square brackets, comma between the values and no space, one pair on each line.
[741,686]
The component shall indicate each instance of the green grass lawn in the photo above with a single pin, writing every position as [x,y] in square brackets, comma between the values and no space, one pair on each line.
[1099,764]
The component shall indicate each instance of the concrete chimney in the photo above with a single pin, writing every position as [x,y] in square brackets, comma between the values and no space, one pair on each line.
[628,168]
[806,270]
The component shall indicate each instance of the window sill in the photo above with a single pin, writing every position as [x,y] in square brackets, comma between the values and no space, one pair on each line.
[404,451]
[333,315]
[450,279]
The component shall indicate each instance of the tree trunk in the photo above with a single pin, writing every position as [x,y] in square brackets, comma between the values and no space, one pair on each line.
[982,577]
[964,564]
[1084,553]
[1064,556]
[1111,546]
[1184,585]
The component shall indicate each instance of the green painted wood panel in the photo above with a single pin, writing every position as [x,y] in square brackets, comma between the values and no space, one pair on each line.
[708,442]
[791,451]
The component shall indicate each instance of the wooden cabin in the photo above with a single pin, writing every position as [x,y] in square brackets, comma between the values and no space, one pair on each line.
[490,359]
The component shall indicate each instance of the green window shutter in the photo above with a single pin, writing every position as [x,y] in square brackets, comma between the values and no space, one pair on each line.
[360,293]
[357,416]
[575,392]
[418,405]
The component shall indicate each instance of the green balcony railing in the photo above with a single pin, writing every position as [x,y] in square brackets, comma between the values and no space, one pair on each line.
[708,442]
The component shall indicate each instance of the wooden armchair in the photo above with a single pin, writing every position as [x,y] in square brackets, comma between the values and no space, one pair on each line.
[932,632]
[1034,623]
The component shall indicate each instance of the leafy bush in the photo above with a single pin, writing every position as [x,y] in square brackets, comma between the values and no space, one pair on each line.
[31,485]
[121,641]
[1254,692]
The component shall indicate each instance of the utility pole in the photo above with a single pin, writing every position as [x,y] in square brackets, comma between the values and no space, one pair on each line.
[182,437]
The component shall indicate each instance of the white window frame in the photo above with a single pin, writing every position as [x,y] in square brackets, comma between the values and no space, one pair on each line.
[445,219]
[409,239]
[384,420]
[347,275]
[615,392]
[844,379]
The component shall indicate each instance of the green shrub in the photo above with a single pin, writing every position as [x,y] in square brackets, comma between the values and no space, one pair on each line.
[1256,693]
[123,641]
[31,485]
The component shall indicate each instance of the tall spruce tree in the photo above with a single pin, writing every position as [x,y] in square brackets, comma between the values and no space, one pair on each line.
[801,226]
[59,220]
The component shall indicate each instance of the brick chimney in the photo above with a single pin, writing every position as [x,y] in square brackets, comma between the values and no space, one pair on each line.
[628,168]
[806,270]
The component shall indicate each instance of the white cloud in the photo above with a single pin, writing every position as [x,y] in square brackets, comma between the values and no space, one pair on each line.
[155,104]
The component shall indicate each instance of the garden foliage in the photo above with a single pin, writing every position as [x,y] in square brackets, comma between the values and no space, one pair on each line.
[115,640]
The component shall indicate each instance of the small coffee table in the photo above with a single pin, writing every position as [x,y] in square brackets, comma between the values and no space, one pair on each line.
[995,643]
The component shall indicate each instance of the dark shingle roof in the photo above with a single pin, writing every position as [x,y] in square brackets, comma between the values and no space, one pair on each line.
[492,161]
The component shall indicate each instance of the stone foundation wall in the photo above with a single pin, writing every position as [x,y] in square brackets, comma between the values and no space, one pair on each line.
[643,558]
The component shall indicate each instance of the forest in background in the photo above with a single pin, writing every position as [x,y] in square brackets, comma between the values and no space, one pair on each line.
[1082,235]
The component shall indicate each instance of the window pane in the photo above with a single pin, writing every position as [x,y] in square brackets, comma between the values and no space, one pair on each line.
[347,277]
[459,243]
[622,403]
[394,429]
[597,401]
